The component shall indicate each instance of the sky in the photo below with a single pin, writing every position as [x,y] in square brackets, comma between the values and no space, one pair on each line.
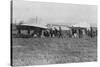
[56,13]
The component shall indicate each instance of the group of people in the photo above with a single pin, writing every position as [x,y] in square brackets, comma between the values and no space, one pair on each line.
[54,32]
[79,32]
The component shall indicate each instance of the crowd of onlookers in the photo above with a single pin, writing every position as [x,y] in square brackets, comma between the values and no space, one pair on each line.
[54,32]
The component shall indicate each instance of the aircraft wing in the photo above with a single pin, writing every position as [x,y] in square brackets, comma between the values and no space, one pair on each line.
[31,27]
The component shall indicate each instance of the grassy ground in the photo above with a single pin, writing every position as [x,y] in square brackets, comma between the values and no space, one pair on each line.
[38,51]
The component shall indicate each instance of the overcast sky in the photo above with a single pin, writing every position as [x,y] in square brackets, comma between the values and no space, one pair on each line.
[53,12]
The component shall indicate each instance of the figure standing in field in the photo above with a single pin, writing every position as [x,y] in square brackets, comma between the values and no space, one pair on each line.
[60,32]
[55,32]
[46,33]
[80,33]
[51,32]
[92,32]
[73,32]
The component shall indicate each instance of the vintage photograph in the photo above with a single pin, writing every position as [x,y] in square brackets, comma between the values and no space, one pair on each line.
[45,33]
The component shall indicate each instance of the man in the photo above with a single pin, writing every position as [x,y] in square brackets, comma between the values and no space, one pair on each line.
[51,32]
[60,32]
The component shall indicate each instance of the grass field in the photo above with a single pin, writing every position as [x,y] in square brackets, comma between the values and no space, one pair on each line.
[39,51]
